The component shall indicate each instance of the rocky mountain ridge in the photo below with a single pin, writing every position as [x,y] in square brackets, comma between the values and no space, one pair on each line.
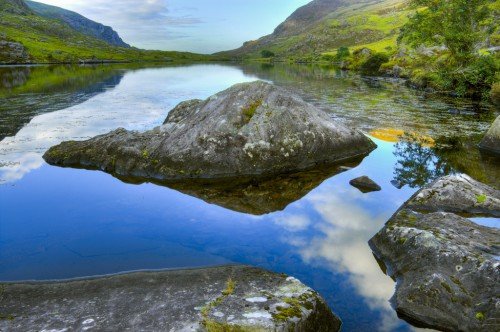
[77,22]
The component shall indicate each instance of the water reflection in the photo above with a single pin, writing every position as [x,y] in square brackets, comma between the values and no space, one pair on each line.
[136,104]
[258,196]
[84,223]
[28,91]
[418,164]
[370,103]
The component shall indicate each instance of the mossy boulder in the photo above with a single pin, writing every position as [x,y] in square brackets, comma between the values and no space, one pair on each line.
[251,129]
[491,141]
[228,298]
[446,265]
[495,93]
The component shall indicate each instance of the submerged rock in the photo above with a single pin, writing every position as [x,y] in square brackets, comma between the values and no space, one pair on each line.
[365,184]
[491,141]
[213,299]
[446,266]
[248,130]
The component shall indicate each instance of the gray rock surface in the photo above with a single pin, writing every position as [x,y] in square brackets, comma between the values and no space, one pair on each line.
[12,52]
[446,266]
[365,184]
[251,129]
[210,299]
[491,141]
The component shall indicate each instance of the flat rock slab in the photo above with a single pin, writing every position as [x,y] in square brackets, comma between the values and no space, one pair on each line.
[214,299]
[365,184]
[491,141]
[250,129]
[446,266]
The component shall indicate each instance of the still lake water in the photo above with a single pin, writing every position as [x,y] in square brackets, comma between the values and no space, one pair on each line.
[62,223]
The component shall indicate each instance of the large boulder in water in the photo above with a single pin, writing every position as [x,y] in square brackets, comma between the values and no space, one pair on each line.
[446,266]
[491,141]
[250,129]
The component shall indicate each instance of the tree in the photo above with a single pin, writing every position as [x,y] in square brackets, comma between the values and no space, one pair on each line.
[460,25]
[267,54]
[342,53]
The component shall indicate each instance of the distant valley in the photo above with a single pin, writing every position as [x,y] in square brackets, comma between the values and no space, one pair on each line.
[32,32]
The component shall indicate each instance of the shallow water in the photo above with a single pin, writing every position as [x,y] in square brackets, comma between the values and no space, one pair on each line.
[61,223]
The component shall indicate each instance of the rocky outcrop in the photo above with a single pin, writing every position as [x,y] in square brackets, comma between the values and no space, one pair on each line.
[18,7]
[12,52]
[227,298]
[491,141]
[446,265]
[365,184]
[251,129]
[78,23]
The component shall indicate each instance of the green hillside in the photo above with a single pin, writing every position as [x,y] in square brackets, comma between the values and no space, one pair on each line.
[450,47]
[355,24]
[29,38]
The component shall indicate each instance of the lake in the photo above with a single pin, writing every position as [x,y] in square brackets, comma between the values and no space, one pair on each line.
[58,223]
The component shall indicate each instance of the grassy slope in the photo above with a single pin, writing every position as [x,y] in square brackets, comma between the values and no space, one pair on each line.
[374,25]
[48,40]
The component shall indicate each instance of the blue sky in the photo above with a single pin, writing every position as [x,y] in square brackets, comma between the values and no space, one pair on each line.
[204,26]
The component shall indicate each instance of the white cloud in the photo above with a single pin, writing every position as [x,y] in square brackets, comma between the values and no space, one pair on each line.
[346,226]
[204,26]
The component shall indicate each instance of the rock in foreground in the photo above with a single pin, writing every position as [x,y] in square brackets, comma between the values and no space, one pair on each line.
[491,141]
[446,266]
[250,129]
[212,299]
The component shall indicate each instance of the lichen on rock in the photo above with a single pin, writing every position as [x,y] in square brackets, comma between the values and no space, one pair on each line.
[446,265]
[227,298]
[250,129]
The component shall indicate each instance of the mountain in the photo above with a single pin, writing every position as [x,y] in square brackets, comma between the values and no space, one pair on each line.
[14,6]
[322,26]
[46,37]
[78,22]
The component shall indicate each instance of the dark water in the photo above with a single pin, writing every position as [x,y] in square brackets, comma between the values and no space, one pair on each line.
[62,223]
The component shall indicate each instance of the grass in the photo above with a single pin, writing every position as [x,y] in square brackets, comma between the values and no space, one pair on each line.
[358,25]
[249,111]
[52,41]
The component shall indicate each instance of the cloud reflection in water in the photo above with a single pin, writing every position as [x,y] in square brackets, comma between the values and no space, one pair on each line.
[134,104]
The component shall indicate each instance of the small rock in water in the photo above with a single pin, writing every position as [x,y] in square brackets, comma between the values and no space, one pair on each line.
[365,184]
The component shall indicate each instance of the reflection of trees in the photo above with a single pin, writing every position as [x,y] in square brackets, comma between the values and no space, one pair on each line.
[417,164]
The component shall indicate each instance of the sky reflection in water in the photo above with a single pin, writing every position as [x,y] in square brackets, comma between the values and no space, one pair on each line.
[62,223]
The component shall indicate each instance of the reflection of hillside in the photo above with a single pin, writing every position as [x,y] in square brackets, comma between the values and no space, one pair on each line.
[371,103]
[30,91]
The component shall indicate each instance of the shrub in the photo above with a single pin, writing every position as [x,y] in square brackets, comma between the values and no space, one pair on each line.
[267,54]
[342,53]
[371,66]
